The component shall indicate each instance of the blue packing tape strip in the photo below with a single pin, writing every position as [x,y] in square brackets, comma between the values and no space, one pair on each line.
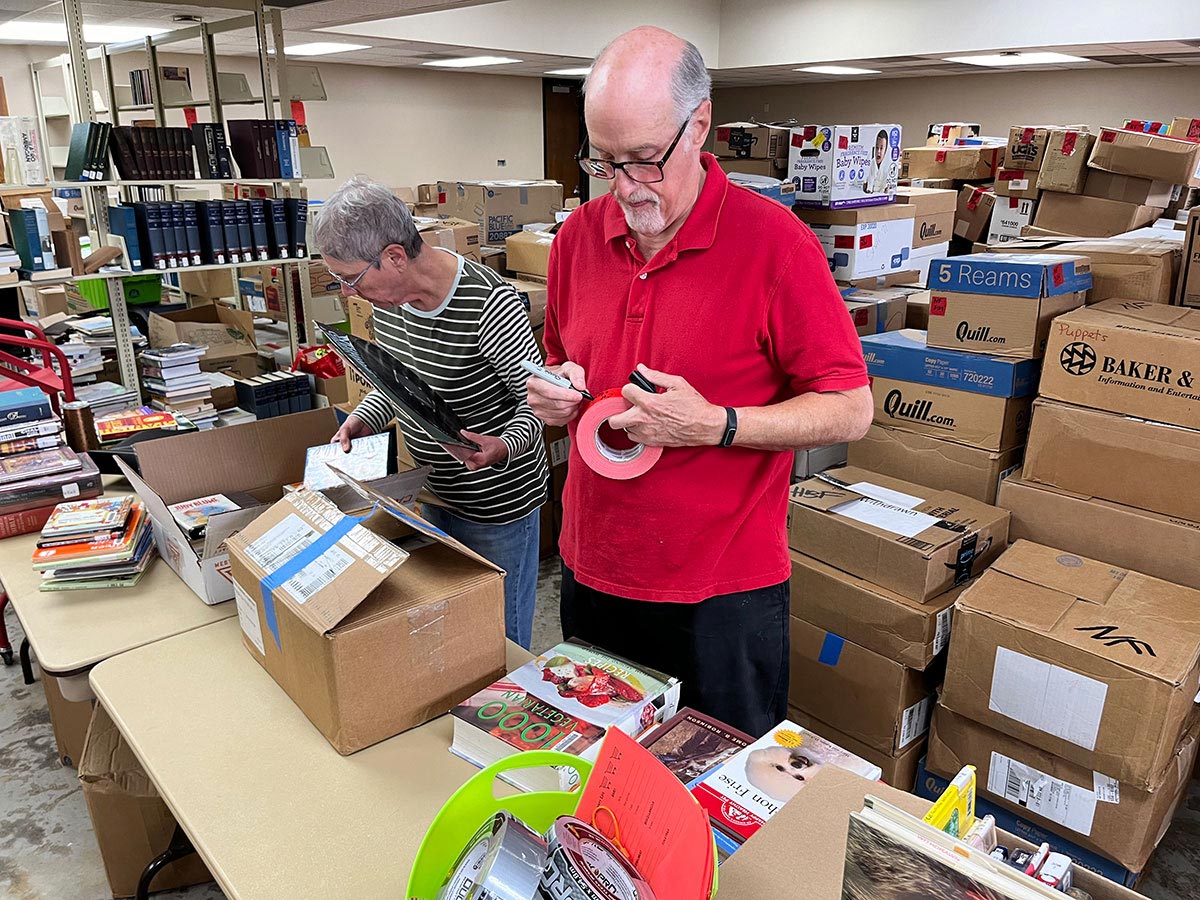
[831,649]
[284,573]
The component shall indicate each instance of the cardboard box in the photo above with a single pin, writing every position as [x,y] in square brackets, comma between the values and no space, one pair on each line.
[874,312]
[940,184]
[534,296]
[427,193]
[69,719]
[898,771]
[875,700]
[1184,127]
[935,463]
[1100,529]
[1010,216]
[45,301]
[1152,156]
[1090,216]
[131,822]
[1019,183]
[944,134]
[864,523]
[1064,165]
[916,316]
[1128,356]
[933,223]
[919,262]
[529,252]
[876,619]
[1128,189]
[844,166]
[973,213]
[1189,275]
[905,356]
[394,638]
[1120,821]
[1027,146]
[763,168]
[988,423]
[818,459]
[861,243]
[463,236]
[751,140]
[227,333]
[255,457]
[977,163]
[500,207]
[1075,656]
[361,315]
[328,391]
[1096,453]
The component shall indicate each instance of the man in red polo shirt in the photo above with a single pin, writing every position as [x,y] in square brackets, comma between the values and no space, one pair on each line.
[722,299]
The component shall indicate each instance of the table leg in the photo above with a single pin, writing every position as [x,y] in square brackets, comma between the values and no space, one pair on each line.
[6,650]
[26,665]
[179,848]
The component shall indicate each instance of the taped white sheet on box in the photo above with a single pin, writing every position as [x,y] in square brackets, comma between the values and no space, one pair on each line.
[897,520]
[1047,697]
[1108,790]
[247,610]
[916,721]
[1059,801]
[887,495]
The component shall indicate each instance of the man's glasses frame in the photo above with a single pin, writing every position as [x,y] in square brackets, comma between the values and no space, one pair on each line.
[643,171]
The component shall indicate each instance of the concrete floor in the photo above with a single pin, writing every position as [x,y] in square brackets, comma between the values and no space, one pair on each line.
[47,851]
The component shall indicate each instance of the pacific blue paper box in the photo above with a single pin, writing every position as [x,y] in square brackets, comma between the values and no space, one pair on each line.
[1075,656]
[1019,183]
[934,220]
[966,537]
[500,207]
[985,422]
[975,163]
[1128,189]
[1127,356]
[899,771]
[1086,216]
[876,700]
[1016,327]
[1124,459]
[805,843]
[1126,831]
[973,212]
[227,333]
[1153,156]
[395,638]
[876,619]
[935,462]
[1090,526]
[1064,165]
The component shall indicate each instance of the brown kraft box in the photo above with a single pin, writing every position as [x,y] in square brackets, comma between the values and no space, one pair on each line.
[1001,326]
[977,420]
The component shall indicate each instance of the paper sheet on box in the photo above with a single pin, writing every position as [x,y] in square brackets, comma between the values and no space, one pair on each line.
[1048,697]
[896,519]
[887,495]
[247,610]
[1059,801]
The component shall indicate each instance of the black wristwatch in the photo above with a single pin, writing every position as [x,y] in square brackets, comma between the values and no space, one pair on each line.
[730,427]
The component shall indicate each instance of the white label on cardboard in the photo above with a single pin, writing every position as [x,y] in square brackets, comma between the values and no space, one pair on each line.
[1019,184]
[887,495]
[1009,471]
[281,542]
[1059,801]
[896,519]
[941,634]
[318,573]
[560,450]
[70,490]
[1047,697]
[1108,790]
[247,610]
[915,722]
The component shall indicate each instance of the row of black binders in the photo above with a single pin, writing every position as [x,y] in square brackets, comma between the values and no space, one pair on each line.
[187,233]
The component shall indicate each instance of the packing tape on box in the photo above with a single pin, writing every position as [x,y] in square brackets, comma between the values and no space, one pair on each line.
[503,861]
[584,865]
[602,459]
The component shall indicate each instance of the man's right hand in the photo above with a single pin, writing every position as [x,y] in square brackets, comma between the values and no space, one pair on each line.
[353,427]
[555,405]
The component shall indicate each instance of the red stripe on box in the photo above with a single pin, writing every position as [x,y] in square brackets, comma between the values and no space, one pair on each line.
[810,132]
[937,306]
[945,132]
[1107,137]
[1068,146]
[1056,275]
[860,317]
[1155,127]
[867,240]
[442,197]
[723,134]
[976,196]
[843,143]
[797,139]
[1027,136]
[298,112]
[843,242]
[940,156]
[1136,125]
[1013,202]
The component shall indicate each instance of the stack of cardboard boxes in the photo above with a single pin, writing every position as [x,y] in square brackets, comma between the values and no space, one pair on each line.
[877,564]
[955,157]
[933,225]
[752,148]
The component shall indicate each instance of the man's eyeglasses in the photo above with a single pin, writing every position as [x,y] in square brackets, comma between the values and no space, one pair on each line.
[351,284]
[642,171]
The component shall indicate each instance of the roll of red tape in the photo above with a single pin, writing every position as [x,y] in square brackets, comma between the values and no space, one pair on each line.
[602,459]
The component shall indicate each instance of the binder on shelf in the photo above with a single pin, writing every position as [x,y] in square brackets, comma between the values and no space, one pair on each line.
[266,136]
[283,144]
[258,230]
[211,230]
[245,239]
[179,226]
[123,223]
[45,238]
[233,245]
[246,147]
[277,231]
[150,233]
[294,146]
[167,226]
[99,158]
[211,150]
[297,226]
[26,239]
[191,227]
[123,154]
[79,153]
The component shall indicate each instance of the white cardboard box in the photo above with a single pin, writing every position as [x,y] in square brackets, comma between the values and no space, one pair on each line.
[920,259]
[861,243]
[1009,216]
[843,166]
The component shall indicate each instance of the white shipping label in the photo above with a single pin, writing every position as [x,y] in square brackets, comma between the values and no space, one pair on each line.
[1059,801]
[318,573]
[897,520]
[70,490]
[887,495]
[1019,184]
[247,610]
[281,542]
[1108,790]
[560,451]
[941,635]
[1048,697]
[916,721]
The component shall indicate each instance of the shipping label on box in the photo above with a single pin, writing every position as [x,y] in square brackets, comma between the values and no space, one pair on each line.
[1020,183]
[1009,217]
[1064,165]
[906,356]
[842,166]
[989,423]
[1003,326]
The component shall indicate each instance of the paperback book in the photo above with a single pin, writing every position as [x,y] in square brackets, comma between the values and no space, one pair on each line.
[691,744]
[193,515]
[105,516]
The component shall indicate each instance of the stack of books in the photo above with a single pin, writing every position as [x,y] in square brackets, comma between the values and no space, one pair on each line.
[106,398]
[98,332]
[10,262]
[86,361]
[115,428]
[34,244]
[87,157]
[37,469]
[266,148]
[274,394]
[140,87]
[144,154]
[175,383]
[104,543]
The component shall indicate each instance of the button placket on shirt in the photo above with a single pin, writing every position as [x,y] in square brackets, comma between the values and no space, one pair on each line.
[639,294]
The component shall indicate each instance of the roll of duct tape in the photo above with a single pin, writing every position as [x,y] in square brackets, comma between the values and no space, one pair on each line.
[504,860]
[584,865]
[603,459]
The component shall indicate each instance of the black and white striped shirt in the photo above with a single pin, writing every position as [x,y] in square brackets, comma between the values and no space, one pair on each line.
[469,350]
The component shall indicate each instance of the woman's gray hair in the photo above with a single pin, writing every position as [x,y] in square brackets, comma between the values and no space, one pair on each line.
[361,219]
[691,84]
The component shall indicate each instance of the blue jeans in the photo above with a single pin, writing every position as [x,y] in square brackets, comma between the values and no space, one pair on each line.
[514,548]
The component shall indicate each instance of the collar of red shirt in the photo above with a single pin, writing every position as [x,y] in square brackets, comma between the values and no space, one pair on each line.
[699,229]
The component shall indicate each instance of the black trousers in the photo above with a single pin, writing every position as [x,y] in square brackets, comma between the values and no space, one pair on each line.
[730,652]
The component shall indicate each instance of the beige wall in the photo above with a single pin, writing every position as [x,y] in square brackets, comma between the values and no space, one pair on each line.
[996,101]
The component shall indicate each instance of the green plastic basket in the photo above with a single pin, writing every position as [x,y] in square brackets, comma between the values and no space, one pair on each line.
[475,802]
[139,289]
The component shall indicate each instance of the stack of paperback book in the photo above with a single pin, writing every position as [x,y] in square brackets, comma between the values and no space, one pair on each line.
[116,428]
[173,378]
[106,398]
[37,469]
[104,543]
[86,361]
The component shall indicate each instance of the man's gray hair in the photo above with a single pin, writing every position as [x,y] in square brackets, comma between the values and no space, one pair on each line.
[691,84]
[361,219]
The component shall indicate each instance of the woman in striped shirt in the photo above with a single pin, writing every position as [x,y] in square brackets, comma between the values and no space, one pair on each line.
[466,332]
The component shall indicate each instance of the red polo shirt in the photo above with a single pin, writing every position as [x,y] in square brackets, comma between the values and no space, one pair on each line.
[741,304]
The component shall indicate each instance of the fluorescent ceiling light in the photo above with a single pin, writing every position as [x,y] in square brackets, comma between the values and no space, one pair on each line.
[837,70]
[582,71]
[470,62]
[56,32]
[322,48]
[1038,58]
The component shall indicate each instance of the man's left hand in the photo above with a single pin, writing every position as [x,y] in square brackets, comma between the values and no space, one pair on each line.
[492,450]
[678,417]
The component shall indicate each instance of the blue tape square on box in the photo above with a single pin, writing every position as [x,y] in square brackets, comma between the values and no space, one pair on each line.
[831,649]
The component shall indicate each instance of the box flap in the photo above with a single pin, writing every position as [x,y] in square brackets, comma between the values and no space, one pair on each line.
[1158,318]
[860,215]
[224,331]
[1074,576]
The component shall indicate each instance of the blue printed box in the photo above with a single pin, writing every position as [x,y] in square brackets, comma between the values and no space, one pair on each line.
[1011,274]
[904,356]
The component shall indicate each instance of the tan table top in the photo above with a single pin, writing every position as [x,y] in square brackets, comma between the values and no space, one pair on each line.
[271,807]
[72,630]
